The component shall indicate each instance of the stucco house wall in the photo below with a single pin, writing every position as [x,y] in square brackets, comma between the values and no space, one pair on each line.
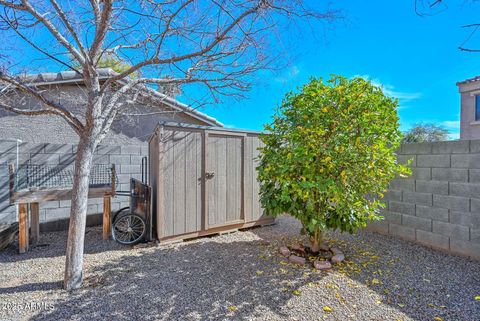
[469,127]
[133,125]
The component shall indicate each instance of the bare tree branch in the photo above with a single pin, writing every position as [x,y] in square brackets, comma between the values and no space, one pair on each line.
[434,4]
[215,46]
[69,26]
[102,24]
[156,61]
[53,31]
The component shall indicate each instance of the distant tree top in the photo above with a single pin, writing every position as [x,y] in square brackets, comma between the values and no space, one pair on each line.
[425,132]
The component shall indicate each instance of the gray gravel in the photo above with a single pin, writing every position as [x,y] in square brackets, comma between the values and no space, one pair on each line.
[239,276]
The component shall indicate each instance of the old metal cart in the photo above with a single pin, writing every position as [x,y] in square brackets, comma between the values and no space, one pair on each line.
[133,224]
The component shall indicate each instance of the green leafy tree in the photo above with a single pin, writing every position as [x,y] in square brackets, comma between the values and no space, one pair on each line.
[329,154]
[108,61]
[117,64]
[425,133]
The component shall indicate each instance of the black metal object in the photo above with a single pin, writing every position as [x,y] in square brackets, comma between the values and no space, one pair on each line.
[139,209]
[145,170]
[34,177]
[128,228]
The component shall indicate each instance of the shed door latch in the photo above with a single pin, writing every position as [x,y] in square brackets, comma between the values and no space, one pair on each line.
[209,175]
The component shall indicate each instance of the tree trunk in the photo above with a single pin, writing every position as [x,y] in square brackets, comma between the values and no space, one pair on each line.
[78,213]
[316,240]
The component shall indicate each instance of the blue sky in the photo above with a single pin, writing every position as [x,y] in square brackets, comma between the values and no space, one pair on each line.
[415,58]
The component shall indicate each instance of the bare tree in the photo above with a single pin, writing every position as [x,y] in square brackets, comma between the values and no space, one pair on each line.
[213,43]
[425,132]
[432,7]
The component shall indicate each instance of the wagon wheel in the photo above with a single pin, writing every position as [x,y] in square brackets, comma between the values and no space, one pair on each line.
[128,229]
[121,212]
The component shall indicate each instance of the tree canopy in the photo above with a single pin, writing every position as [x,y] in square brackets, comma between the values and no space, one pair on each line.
[329,155]
[424,132]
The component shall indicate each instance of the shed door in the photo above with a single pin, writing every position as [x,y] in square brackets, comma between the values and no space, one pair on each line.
[180,186]
[224,179]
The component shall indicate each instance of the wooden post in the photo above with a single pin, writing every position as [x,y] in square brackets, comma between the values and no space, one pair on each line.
[106,217]
[23,227]
[35,222]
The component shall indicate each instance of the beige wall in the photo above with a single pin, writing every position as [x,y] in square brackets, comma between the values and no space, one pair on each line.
[469,128]
[439,205]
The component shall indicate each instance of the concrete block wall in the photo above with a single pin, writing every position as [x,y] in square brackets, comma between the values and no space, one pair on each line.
[127,160]
[439,205]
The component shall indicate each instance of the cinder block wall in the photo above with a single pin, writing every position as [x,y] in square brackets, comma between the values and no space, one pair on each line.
[127,159]
[439,205]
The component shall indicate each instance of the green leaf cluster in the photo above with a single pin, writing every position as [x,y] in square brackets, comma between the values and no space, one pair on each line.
[329,154]
[108,61]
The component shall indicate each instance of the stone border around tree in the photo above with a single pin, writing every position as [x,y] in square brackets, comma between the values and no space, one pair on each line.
[293,254]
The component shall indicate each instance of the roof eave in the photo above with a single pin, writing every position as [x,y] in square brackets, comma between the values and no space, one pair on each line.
[64,78]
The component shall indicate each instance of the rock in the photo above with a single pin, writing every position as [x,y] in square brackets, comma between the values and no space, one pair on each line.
[299,248]
[284,251]
[324,247]
[337,258]
[297,259]
[336,250]
[322,265]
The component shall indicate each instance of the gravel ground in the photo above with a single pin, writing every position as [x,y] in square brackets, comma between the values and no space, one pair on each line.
[240,276]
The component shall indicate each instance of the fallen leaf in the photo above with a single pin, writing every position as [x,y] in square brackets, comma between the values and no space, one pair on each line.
[477,298]
[327,309]
[296,292]
[438,319]
[232,308]
[376,281]
[259,272]
[401,305]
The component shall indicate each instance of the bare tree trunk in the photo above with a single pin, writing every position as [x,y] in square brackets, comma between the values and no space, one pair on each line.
[78,213]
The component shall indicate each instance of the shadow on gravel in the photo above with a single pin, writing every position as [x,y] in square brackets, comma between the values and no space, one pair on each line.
[54,244]
[420,282]
[243,279]
[200,280]
[30,287]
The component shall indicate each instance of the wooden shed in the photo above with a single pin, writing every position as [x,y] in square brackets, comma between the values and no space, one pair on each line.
[204,180]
